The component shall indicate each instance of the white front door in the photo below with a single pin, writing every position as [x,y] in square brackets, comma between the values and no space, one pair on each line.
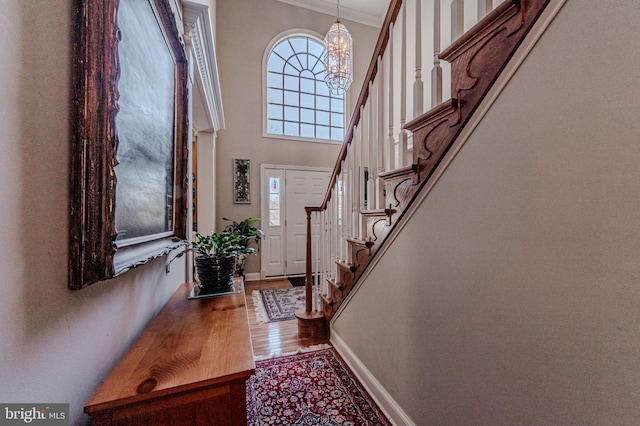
[286,192]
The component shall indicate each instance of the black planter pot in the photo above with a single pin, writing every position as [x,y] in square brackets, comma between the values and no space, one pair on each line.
[215,273]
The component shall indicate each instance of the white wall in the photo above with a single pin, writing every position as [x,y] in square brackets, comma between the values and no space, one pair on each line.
[511,297]
[244,29]
[55,345]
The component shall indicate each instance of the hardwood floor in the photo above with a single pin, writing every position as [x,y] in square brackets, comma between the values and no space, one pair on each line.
[273,337]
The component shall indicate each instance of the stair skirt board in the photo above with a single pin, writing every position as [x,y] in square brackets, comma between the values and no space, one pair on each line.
[539,27]
[387,404]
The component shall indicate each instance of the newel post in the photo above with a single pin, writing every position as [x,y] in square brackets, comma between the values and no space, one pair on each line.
[311,323]
[308,280]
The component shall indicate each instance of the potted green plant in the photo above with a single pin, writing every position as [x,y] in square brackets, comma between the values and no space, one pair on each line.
[215,257]
[248,234]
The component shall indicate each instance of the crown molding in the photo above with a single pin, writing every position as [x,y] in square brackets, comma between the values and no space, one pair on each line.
[198,31]
[329,8]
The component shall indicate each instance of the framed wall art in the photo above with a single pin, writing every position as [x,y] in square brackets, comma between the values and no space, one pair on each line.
[130,137]
[241,181]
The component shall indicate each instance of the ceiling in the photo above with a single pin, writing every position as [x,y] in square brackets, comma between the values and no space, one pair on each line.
[369,12]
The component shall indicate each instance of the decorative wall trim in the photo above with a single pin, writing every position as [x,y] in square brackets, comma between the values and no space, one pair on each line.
[387,404]
[198,31]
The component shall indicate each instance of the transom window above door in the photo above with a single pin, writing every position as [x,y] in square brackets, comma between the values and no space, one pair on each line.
[298,101]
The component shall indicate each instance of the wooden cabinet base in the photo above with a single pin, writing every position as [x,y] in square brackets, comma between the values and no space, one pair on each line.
[189,367]
[223,405]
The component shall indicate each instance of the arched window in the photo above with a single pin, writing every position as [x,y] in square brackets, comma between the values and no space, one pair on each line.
[298,101]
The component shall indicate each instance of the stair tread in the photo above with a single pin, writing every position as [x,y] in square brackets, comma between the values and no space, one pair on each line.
[328,300]
[378,212]
[402,171]
[359,242]
[434,115]
[335,283]
[346,265]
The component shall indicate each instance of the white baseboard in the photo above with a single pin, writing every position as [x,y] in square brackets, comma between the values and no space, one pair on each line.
[387,404]
[254,276]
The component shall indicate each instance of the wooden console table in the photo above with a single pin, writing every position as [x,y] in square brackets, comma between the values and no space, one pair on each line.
[188,367]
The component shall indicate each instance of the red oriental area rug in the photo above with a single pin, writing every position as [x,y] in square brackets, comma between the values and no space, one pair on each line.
[312,388]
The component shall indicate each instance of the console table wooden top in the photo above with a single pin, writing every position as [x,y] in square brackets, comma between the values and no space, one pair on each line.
[190,345]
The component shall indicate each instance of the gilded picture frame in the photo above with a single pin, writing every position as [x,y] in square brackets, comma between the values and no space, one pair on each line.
[117,183]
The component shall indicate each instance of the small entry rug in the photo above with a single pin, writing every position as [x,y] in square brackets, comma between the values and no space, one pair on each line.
[310,388]
[278,304]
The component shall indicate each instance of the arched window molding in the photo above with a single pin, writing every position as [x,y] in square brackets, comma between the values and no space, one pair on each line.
[296,102]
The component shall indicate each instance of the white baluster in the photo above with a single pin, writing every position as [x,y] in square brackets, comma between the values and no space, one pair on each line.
[418,85]
[402,136]
[357,178]
[343,209]
[327,265]
[327,262]
[484,7]
[346,211]
[391,148]
[380,139]
[323,252]
[354,180]
[457,19]
[319,260]
[336,220]
[436,72]
[316,259]
[373,152]
[335,227]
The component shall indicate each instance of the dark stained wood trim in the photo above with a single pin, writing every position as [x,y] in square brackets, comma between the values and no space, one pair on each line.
[403,171]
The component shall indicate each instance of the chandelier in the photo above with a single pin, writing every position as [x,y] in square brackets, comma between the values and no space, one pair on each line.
[338,58]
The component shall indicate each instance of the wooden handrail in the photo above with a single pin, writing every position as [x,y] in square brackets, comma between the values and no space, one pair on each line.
[381,46]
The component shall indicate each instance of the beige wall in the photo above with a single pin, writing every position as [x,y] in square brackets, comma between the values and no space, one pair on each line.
[55,345]
[244,29]
[206,203]
[512,295]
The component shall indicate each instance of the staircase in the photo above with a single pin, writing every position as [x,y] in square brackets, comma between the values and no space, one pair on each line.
[360,209]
